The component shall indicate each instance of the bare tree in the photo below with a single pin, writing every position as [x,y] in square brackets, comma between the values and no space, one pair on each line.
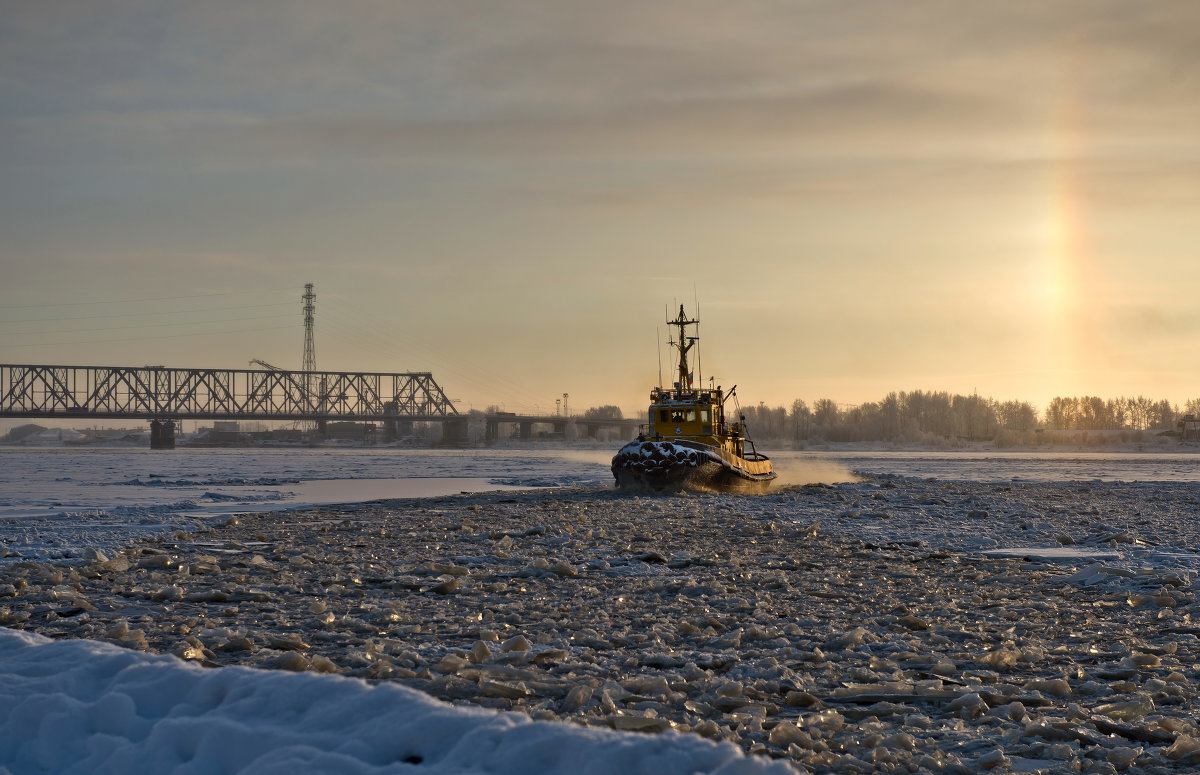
[825,413]
[606,412]
[801,419]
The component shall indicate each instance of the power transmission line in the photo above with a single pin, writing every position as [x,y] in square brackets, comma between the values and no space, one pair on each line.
[143,314]
[143,338]
[136,301]
[120,328]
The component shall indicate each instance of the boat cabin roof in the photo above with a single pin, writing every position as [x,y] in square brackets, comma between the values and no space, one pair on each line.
[661,397]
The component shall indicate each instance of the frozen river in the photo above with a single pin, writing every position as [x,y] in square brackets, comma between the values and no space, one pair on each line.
[51,481]
[1020,466]
[984,595]
[56,501]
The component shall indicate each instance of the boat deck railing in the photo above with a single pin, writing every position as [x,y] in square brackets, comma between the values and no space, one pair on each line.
[753,454]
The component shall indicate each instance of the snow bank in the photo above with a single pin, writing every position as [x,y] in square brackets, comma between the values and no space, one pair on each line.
[88,707]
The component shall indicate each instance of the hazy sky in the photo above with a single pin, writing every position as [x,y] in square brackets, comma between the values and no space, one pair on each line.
[865,195]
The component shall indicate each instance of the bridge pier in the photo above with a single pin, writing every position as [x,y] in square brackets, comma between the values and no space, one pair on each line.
[397,429]
[162,434]
[454,432]
[491,431]
[526,430]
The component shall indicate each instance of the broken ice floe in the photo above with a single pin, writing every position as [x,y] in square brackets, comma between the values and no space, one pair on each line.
[727,617]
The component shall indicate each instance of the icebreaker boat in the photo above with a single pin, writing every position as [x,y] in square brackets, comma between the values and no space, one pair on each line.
[687,442]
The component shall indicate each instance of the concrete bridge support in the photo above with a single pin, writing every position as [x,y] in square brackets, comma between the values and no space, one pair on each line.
[162,434]
[454,432]
[397,429]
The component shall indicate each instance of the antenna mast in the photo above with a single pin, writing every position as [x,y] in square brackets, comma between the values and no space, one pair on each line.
[684,345]
[699,367]
[658,346]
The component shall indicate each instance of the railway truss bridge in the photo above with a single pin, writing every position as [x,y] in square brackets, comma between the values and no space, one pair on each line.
[165,396]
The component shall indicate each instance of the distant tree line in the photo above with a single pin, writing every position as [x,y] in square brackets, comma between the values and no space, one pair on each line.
[921,416]
[934,416]
[1091,413]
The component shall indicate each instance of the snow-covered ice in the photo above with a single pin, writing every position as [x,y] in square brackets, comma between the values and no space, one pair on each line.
[90,708]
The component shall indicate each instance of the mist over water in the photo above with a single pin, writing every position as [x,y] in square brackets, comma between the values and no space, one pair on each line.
[799,472]
[600,457]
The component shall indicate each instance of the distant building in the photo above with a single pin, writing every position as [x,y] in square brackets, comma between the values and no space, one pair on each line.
[52,437]
[22,432]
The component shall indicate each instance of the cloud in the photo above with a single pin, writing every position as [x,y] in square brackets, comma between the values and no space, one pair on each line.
[879,114]
[407,81]
[420,140]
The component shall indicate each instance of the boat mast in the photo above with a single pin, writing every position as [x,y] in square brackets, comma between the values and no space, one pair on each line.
[684,345]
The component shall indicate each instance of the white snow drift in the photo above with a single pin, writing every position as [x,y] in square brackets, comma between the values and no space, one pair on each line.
[88,707]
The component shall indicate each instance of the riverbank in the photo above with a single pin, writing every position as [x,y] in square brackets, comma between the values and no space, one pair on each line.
[858,627]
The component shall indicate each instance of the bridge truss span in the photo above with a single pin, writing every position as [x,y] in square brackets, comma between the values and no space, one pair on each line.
[153,392]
